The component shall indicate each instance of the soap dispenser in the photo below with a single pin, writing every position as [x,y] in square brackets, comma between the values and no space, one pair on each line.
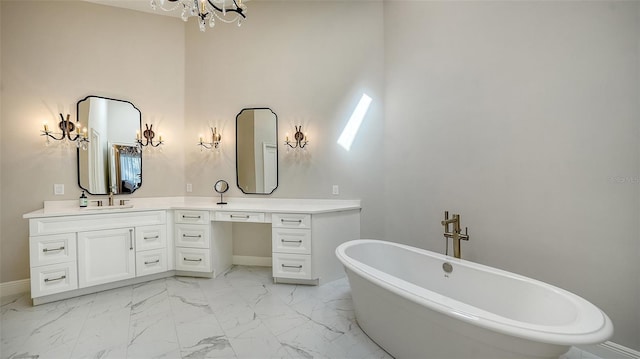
[83,200]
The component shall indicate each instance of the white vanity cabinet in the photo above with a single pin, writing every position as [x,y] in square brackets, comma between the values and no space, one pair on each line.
[80,251]
[193,241]
[74,252]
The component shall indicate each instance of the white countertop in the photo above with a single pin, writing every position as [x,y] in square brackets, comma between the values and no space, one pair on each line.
[270,205]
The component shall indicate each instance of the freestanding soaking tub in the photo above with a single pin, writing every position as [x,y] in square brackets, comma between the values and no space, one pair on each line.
[420,304]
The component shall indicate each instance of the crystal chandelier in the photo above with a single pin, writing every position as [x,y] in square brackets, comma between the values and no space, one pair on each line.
[227,11]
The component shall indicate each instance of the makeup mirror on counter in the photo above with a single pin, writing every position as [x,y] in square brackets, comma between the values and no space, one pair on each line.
[113,160]
[257,150]
[221,187]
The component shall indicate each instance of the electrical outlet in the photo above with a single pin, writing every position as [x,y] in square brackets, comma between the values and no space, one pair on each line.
[336,189]
[58,189]
[189,188]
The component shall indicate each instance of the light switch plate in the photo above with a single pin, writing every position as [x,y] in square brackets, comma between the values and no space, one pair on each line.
[58,189]
[336,189]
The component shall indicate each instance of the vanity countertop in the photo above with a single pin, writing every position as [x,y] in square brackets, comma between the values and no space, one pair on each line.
[234,204]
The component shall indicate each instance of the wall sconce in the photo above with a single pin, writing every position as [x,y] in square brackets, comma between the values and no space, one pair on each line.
[67,127]
[215,140]
[148,135]
[301,139]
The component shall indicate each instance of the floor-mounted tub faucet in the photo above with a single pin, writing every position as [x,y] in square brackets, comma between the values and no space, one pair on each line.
[456,234]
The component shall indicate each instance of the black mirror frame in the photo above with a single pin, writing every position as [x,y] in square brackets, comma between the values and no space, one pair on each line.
[78,150]
[277,151]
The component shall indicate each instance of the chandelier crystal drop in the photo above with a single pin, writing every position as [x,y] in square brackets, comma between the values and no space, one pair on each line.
[207,11]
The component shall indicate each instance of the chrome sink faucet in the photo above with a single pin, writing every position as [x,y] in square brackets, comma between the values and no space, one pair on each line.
[456,234]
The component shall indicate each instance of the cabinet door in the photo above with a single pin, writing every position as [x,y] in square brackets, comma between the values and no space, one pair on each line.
[106,256]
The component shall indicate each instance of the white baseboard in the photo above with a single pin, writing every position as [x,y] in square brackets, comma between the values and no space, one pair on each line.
[252,261]
[15,287]
[611,350]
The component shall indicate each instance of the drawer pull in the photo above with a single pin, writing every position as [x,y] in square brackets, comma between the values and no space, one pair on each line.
[299,266]
[47,280]
[150,238]
[131,239]
[282,220]
[239,216]
[192,260]
[191,217]
[191,236]
[152,262]
[45,250]
[286,241]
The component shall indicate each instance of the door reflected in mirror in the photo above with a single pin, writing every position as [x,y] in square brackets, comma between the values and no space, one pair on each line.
[113,160]
[257,150]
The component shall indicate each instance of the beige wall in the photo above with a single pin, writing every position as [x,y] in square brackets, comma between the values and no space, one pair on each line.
[524,118]
[520,116]
[309,62]
[55,53]
[309,74]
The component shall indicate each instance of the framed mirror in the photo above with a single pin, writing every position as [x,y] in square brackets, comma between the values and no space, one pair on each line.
[113,160]
[257,150]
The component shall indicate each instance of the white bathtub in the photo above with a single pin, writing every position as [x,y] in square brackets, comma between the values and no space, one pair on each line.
[412,308]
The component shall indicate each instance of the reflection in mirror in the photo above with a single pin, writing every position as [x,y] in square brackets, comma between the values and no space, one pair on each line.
[113,161]
[257,150]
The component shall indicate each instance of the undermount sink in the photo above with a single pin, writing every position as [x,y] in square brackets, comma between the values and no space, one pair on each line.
[105,208]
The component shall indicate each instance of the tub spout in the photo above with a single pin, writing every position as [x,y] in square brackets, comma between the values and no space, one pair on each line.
[456,234]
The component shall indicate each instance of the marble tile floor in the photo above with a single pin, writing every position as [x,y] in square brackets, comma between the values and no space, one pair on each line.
[241,314]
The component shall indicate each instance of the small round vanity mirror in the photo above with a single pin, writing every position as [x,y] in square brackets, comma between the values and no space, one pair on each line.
[221,187]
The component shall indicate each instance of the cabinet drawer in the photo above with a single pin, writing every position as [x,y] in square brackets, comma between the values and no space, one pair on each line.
[53,278]
[193,259]
[151,237]
[240,216]
[295,266]
[192,235]
[58,248]
[152,261]
[291,220]
[194,217]
[288,240]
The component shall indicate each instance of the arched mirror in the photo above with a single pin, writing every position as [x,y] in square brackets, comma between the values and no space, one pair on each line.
[257,150]
[113,160]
